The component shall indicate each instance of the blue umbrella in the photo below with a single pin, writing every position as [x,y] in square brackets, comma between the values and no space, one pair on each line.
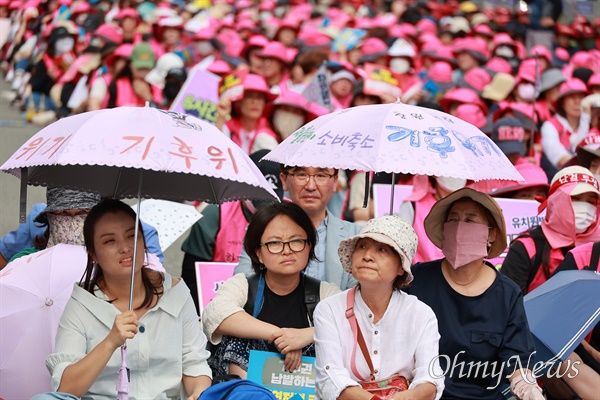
[561,312]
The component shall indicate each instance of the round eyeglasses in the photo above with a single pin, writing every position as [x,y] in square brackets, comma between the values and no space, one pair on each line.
[302,178]
[277,247]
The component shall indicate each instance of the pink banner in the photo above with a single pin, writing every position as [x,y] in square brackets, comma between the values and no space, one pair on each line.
[519,216]
[199,95]
[209,276]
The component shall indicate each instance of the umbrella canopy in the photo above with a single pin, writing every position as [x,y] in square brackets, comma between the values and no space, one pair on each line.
[396,138]
[561,312]
[33,293]
[182,157]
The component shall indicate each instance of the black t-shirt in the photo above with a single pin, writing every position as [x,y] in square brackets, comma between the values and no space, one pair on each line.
[287,311]
[485,331]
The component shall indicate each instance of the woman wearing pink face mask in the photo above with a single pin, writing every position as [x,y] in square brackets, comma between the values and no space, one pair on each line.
[572,219]
[481,317]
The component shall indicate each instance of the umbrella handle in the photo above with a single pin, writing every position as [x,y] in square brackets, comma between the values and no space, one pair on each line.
[23,195]
[124,378]
[135,238]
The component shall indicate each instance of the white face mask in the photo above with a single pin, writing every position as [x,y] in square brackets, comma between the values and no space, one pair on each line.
[63,45]
[505,51]
[585,215]
[451,184]
[204,47]
[286,122]
[400,65]
[527,91]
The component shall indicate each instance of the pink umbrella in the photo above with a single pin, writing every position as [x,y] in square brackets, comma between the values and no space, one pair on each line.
[396,138]
[138,152]
[33,292]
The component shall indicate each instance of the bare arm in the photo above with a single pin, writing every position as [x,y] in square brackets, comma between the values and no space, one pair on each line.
[243,325]
[195,385]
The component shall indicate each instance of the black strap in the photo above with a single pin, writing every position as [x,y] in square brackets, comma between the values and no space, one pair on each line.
[312,295]
[537,260]
[595,259]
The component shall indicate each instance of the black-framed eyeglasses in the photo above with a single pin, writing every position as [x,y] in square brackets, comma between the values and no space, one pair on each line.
[277,247]
[302,178]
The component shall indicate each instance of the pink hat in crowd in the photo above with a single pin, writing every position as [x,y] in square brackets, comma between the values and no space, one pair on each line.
[581,59]
[476,79]
[109,32]
[219,67]
[533,175]
[205,34]
[483,30]
[462,96]
[123,51]
[472,114]
[312,36]
[525,113]
[427,25]
[475,46]
[82,8]
[127,13]
[499,64]
[373,45]
[571,86]
[257,83]
[503,39]
[277,51]
[541,51]
[441,73]
[295,99]
[15,4]
[594,80]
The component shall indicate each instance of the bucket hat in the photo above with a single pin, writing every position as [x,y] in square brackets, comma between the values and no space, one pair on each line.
[434,222]
[390,230]
[463,96]
[550,78]
[473,115]
[499,87]
[60,199]
[257,83]
[165,63]
[475,79]
[275,50]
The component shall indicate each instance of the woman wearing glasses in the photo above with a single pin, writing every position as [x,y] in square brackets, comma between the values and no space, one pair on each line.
[270,310]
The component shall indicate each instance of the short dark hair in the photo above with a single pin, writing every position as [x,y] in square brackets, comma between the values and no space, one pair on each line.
[93,272]
[264,215]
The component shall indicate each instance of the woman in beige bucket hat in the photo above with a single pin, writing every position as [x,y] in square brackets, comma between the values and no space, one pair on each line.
[399,333]
[480,312]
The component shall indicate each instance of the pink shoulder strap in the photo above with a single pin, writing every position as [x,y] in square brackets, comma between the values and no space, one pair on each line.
[354,326]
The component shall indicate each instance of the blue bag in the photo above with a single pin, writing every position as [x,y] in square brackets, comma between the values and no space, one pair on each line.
[239,389]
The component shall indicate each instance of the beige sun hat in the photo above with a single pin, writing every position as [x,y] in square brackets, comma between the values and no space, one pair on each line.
[390,230]
[434,222]
[499,88]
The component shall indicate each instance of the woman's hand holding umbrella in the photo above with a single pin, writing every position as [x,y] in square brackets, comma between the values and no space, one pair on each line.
[125,327]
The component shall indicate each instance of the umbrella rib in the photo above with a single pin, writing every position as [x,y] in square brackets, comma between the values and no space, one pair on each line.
[117,183]
[212,189]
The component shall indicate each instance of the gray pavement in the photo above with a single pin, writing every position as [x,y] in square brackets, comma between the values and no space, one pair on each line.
[11,138]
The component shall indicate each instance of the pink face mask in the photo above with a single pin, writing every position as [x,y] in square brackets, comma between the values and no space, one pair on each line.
[464,242]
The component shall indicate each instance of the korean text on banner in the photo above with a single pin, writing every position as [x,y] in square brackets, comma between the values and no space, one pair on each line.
[347,39]
[199,95]
[520,215]
[209,276]
[267,369]
[232,86]
[380,80]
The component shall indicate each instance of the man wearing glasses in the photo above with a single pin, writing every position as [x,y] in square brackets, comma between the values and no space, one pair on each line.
[311,189]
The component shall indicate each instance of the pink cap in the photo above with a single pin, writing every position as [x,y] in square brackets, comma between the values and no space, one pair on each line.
[472,114]
[205,34]
[295,99]
[504,39]
[528,70]
[541,51]
[440,71]
[15,4]
[477,79]
[477,47]
[373,45]
[531,173]
[385,21]
[127,13]
[525,109]
[258,84]
[484,30]
[219,67]
[427,25]
[581,59]
[312,36]
[463,96]
[499,64]
[81,8]
[594,80]
[275,50]
[245,24]
[110,32]
[572,86]
[4,3]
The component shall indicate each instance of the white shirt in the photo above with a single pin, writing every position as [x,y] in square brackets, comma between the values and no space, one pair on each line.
[405,341]
[551,144]
[171,345]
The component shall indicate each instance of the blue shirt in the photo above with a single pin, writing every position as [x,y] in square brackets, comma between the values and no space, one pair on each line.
[22,237]
[316,268]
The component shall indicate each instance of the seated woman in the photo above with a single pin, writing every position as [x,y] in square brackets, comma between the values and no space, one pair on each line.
[269,310]
[165,345]
[481,317]
[397,334]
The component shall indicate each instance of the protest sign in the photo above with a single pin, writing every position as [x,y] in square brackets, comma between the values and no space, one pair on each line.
[519,215]
[267,369]
[347,39]
[317,91]
[381,197]
[199,95]
[380,80]
[232,86]
[209,276]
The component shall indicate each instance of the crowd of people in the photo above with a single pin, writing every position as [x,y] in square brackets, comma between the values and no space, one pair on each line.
[381,302]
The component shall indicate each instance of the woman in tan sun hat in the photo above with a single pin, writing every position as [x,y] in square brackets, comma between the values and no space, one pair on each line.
[397,334]
[462,289]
